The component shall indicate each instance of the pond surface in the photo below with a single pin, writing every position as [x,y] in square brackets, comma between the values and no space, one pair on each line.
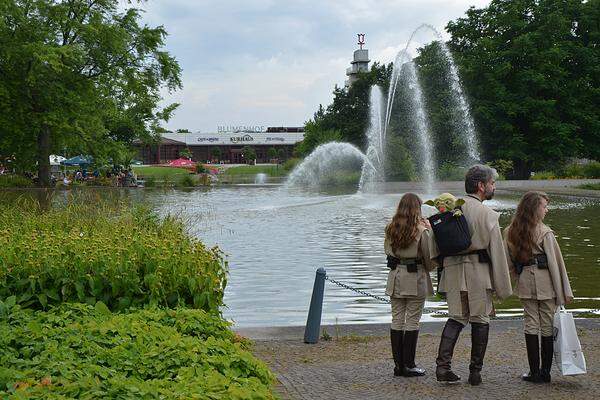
[276,238]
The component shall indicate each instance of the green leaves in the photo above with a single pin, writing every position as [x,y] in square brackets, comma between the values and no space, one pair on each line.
[80,351]
[126,257]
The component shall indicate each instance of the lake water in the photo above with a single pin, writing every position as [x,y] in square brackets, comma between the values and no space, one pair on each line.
[275,239]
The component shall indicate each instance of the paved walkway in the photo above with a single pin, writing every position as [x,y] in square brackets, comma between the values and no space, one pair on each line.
[357,364]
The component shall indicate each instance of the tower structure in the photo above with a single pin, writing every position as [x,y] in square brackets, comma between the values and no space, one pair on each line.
[360,63]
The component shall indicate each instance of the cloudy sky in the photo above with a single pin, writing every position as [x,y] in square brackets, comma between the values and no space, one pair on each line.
[271,63]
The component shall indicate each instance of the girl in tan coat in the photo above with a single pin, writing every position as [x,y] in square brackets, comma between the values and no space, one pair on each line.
[542,283]
[407,247]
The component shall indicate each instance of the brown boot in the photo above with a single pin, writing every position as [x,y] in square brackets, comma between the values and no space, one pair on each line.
[409,350]
[533,357]
[479,341]
[443,361]
[397,338]
[547,353]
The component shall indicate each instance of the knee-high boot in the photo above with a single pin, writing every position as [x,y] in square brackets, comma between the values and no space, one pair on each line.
[479,341]
[397,344]
[533,357]
[443,361]
[547,353]
[409,350]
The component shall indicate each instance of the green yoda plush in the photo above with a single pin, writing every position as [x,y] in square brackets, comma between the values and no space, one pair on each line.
[446,202]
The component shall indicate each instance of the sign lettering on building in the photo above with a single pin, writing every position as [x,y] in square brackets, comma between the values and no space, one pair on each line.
[240,139]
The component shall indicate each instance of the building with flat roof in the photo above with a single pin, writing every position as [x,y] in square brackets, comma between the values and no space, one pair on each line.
[223,146]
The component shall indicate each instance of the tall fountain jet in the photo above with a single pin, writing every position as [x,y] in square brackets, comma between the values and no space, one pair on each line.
[373,171]
[466,120]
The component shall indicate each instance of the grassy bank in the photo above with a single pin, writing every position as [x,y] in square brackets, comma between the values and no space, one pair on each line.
[160,172]
[590,186]
[271,170]
[100,301]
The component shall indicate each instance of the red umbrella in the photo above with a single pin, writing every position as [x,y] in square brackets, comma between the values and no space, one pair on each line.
[181,162]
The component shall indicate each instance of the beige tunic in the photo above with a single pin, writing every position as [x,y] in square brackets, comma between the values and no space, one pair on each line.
[400,282]
[466,274]
[543,284]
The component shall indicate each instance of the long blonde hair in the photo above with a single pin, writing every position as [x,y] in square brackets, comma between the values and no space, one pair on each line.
[403,228]
[521,231]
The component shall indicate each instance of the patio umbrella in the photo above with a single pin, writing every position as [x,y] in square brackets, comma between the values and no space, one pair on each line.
[181,162]
[77,160]
[56,160]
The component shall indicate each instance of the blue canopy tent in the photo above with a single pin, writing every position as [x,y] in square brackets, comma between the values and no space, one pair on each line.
[77,161]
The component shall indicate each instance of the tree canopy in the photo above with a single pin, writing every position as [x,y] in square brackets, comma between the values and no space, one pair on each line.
[81,75]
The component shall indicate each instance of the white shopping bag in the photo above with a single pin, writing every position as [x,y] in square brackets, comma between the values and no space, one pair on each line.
[567,349]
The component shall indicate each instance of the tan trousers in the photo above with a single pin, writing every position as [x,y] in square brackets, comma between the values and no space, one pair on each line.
[466,316]
[406,313]
[538,316]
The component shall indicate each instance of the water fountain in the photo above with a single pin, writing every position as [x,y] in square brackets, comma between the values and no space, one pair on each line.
[373,169]
[260,178]
[326,159]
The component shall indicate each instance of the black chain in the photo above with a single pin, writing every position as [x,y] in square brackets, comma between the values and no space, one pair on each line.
[385,300]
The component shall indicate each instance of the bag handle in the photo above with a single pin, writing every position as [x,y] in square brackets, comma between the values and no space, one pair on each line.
[562,308]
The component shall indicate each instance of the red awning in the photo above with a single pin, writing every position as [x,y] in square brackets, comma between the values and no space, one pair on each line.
[181,162]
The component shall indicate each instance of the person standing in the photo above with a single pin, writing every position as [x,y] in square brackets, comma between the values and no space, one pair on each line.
[542,283]
[407,247]
[470,278]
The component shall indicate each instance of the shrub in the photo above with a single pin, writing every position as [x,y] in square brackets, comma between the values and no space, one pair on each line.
[290,164]
[503,167]
[573,171]
[200,169]
[451,172]
[82,351]
[120,255]
[187,181]
[150,181]
[592,170]
[9,181]
[541,175]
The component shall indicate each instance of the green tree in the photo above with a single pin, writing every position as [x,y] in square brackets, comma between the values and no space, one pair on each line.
[79,74]
[215,152]
[186,153]
[272,153]
[281,154]
[532,71]
[347,117]
[183,131]
[249,154]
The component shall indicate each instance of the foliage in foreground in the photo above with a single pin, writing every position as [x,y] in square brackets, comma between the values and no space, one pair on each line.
[81,351]
[118,255]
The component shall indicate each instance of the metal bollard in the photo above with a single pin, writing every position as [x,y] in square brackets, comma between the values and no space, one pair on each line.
[313,322]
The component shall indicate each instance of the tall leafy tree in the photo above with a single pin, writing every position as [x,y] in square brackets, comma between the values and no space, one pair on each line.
[79,74]
[532,70]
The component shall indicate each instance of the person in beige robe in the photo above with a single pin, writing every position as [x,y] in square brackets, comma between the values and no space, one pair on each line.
[542,284]
[471,278]
[408,285]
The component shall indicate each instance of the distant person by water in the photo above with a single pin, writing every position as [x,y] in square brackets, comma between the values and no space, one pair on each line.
[406,246]
[542,283]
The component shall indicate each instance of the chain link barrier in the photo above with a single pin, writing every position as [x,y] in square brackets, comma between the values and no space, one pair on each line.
[374,296]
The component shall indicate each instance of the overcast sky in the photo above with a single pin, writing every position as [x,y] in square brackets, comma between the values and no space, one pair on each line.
[271,63]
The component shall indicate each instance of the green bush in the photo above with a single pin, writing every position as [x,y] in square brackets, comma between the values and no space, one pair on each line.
[187,181]
[572,171]
[592,170]
[200,168]
[10,181]
[119,255]
[82,351]
[541,175]
[290,164]
[451,172]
